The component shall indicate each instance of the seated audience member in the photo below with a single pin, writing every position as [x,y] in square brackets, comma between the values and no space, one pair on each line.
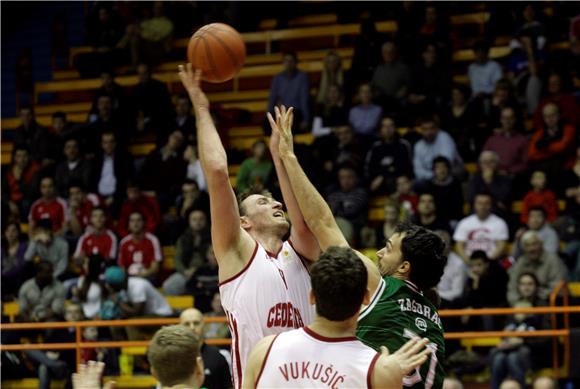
[427,215]
[539,196]
[203,284]
[42,298]
[446,190]
[454,278]
[290,88]
[73,168]
[89,289]
[349,201]
[80,205]
[216,368]
[217,330]
[20,181]
[164,170]
[142,203]
[138,297]
[331,75]
[97,239]
[49,206]
[434,27]
[571,180]
[537,223]
[112,168]
[513,356]
[544,383]
[14,270]
[184,120]
[105,121]
[342,146]
[189,253]
[392,217]
[434,143]
[566,102]
[509,144]
[257,170]
[388,158]
[484,72]
[489,179]
[481,231]
[548,268]
[140,251]
[191,198]
[47,246]
[405,196]
[364,117]
[485,288]
[331,112]
[34,137]
[552,145]
[194,170]
[509,383]
[367,53]
[113,89]
[503,96]
[390,82]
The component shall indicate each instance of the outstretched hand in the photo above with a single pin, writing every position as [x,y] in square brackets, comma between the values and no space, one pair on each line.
[89,376]
[282,131]
[191,80]
[409,357]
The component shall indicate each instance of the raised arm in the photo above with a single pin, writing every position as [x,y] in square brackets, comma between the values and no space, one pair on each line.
[233,246]
[301,237]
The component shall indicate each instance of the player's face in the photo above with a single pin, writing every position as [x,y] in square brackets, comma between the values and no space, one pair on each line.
[264,212]
[390,257]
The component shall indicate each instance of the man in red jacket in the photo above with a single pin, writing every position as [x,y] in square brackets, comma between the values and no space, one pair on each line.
[144,204]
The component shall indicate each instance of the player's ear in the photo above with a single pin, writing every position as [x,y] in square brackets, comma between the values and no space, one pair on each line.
[245,223]
[405,267]
[311,298]
[199,371]
[367,297]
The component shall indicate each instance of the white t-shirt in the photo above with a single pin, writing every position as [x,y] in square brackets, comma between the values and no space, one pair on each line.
[481,234]
[92,306]
[139,290]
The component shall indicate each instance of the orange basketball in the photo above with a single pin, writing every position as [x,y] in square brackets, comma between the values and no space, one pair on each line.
[218,50]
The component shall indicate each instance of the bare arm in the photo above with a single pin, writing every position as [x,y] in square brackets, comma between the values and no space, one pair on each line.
[302,238]
[256,361]
[500,246]
[231,244]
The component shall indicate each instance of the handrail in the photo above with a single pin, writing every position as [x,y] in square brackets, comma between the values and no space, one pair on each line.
[562,286]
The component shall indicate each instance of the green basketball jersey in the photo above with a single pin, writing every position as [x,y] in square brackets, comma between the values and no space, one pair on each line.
[397,313]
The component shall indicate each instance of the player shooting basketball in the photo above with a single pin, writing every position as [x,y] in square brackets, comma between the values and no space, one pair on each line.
[411,262]
[264,280]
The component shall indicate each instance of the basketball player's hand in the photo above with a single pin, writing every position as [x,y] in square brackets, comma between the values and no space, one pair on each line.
[409,357]
[89,376]
[191,81]
[282,126]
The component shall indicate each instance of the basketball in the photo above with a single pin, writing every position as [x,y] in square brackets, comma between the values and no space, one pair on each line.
[218,51]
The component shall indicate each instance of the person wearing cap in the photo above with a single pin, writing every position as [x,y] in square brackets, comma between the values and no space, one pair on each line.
[48,246]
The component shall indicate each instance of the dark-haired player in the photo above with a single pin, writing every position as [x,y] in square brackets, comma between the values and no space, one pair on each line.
[410,264]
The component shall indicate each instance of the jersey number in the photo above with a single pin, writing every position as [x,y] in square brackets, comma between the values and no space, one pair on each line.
[414,378]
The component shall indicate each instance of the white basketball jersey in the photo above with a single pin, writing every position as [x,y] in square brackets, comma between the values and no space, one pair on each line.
[269,296]
[305,359]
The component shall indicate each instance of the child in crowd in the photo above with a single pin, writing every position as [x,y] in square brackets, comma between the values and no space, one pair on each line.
[540,196]
[406,197]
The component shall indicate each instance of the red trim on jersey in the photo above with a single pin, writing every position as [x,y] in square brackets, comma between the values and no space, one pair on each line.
[237,350]
[302,258]
[265,360]
[275,256]
[326,339]
[370,372]
[243,270]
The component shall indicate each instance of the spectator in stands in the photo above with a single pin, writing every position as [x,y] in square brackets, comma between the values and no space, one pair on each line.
[49,206]
[80,206]
[481,231]
[566,102]
[509,383]
[461,118]
[387,159]
[216,368]
[349,201]
[539,196]
[331,112]
[257,170]
[216,330]
[97,239]
[194,170]
[135,296]
[445,189]
[504,95]
[366,56]
[435,143]
[342,146]
[390,80]
[109,87]
[485,288]
[484,72]
[164,170]
[62,129]
[142,203]
[571,181]
[19,181]
[523,69]
[364,117]
[454,278]
[140,252]
[155,34]
[73,168]
[204,282]
[429,83]
[513,356]
[548,268]
[531,28]
[105,121]
[112,168]
[510,145]
[14,270]
[427,215]
[435,28]
[405,196]
[291,88]
[47,246]
[544,383]
[537,222]
[35,137]
[331,75]
[489,179]
[184,120]
[89,288]
[41,298]
[191,199]
[552,145]
[190,251]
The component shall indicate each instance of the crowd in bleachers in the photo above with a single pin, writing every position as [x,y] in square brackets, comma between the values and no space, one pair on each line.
[393,133]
